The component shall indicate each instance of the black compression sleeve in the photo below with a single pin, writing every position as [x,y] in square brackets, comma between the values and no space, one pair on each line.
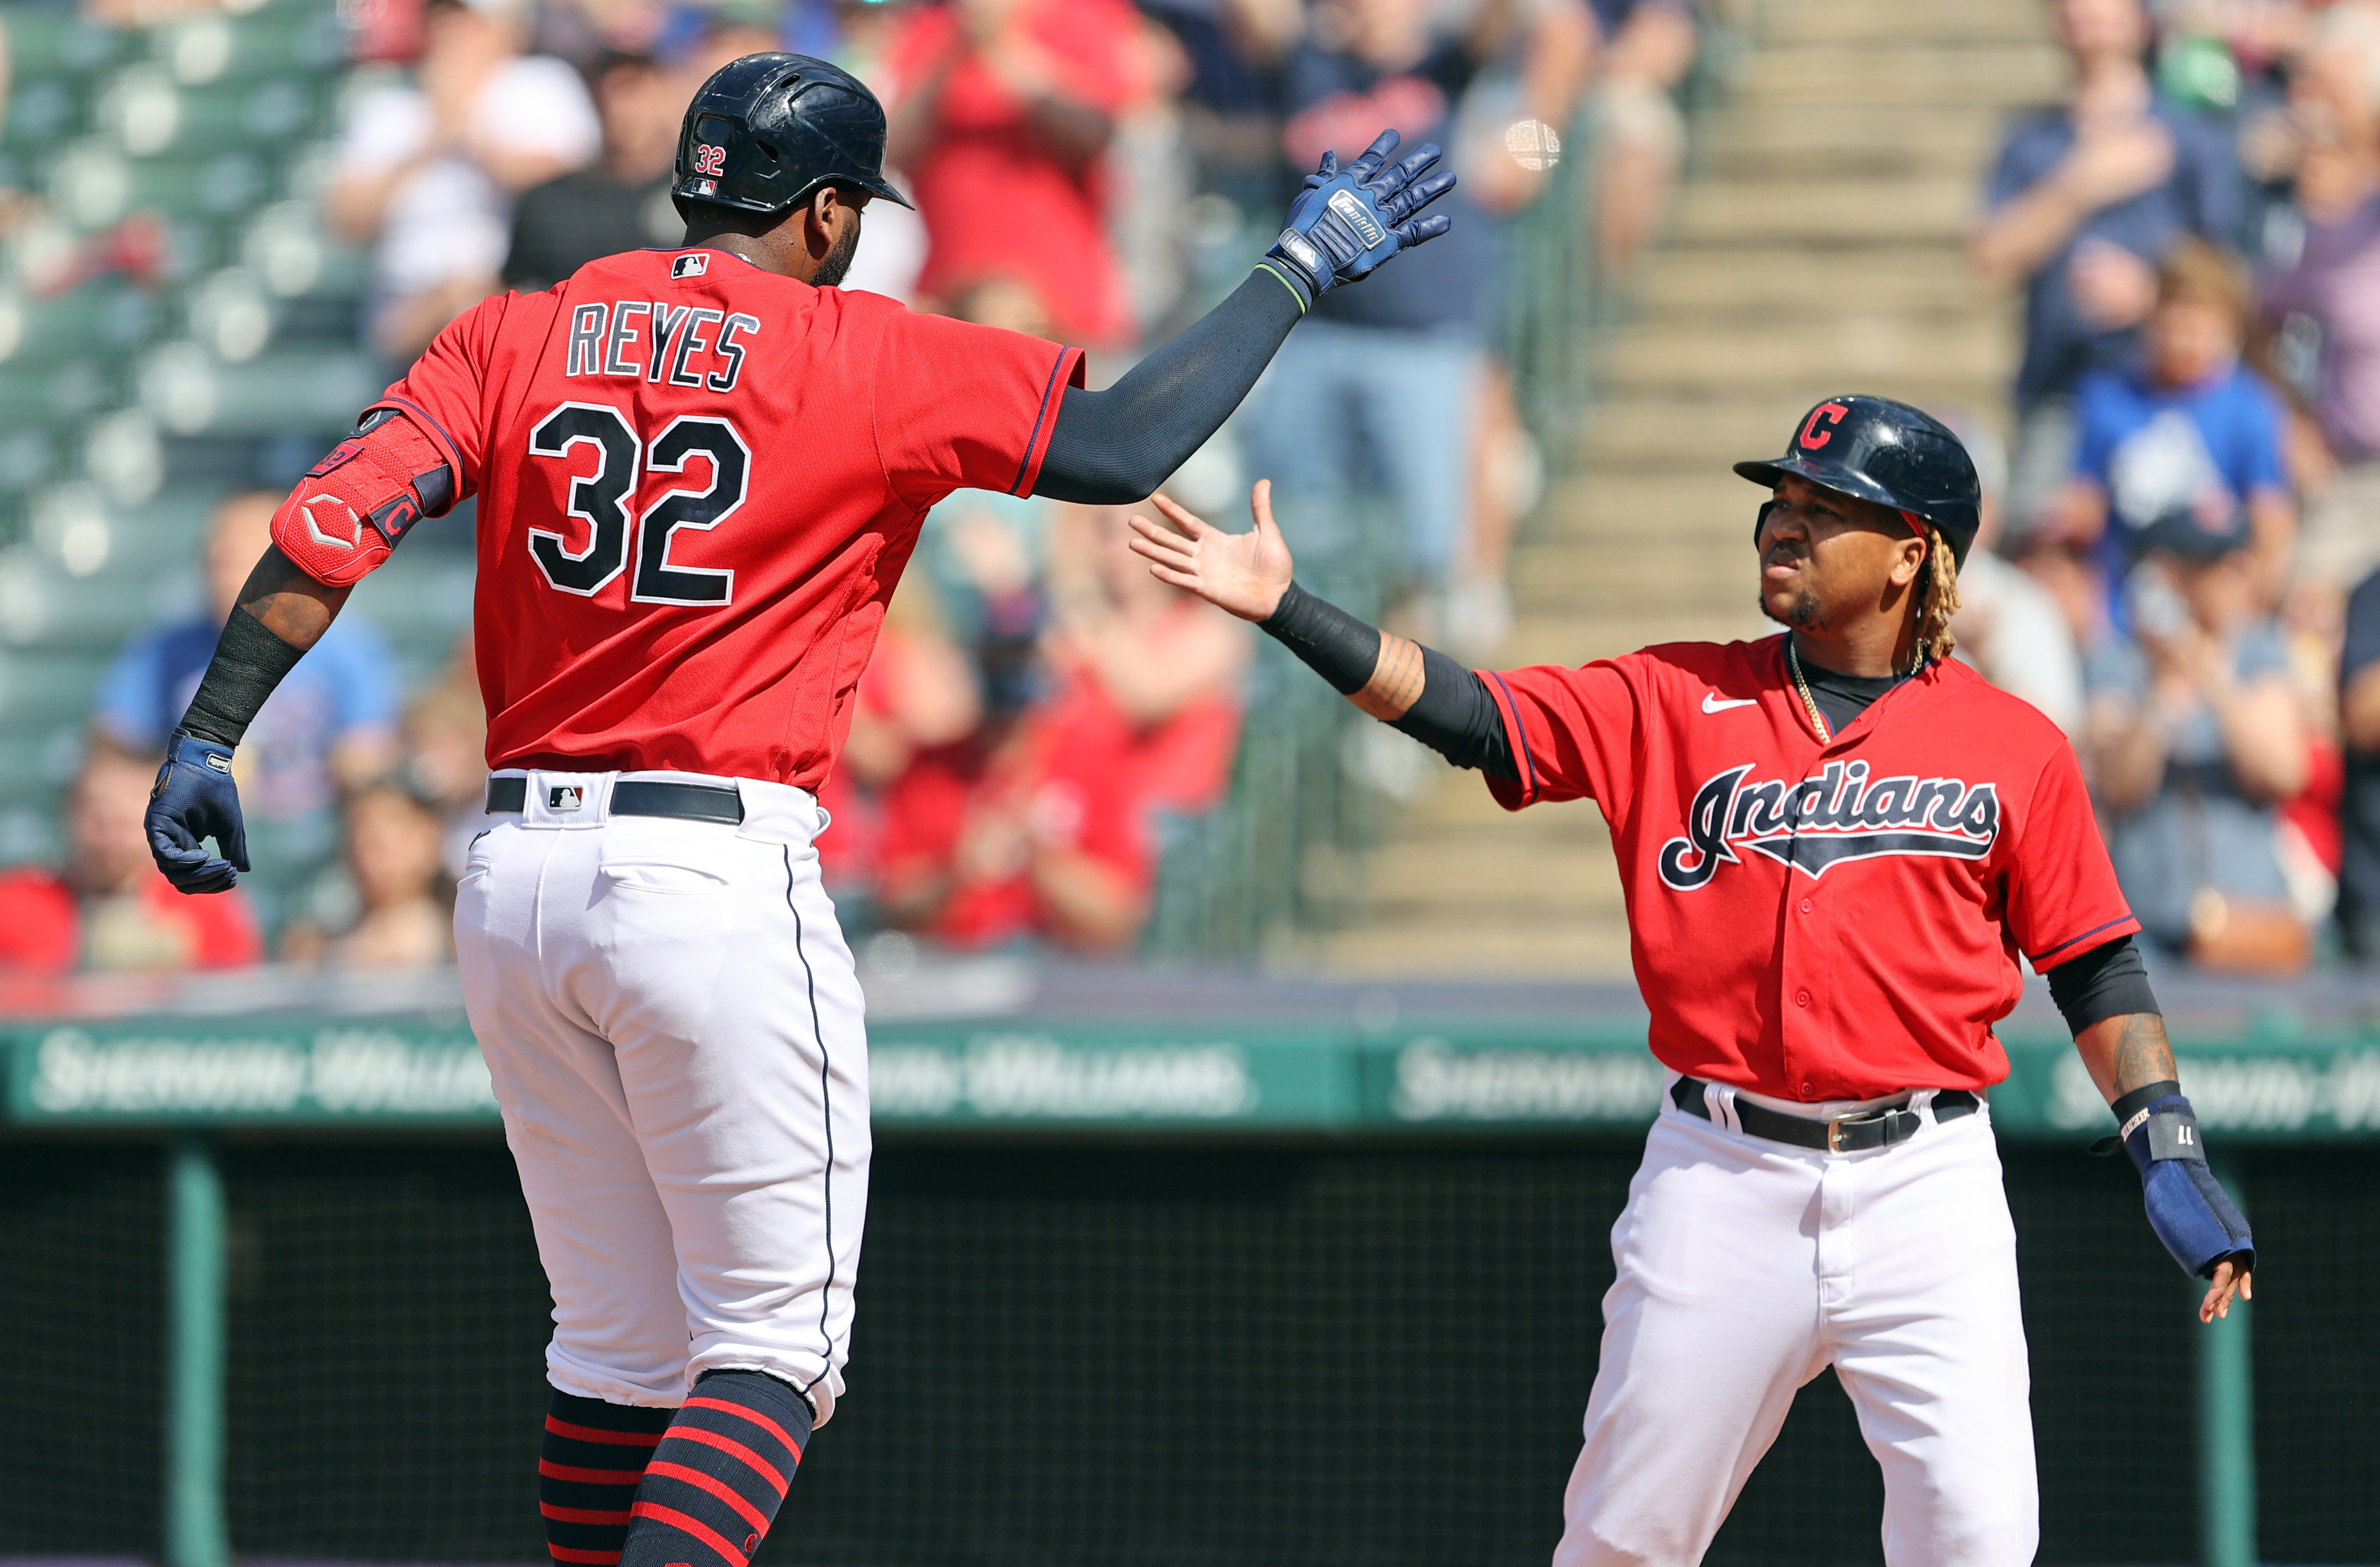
[1117,446]
[249,663]
[1455,717]
[1333,644]
[2107,981]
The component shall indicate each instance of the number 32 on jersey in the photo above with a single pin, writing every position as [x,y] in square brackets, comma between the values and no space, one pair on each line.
[604,501]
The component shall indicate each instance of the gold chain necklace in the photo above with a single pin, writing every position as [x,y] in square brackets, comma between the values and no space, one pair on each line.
[1809,702]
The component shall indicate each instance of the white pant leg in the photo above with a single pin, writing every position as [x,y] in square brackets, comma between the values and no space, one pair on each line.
[708,960]
[602,1236]
[1927,1335]
[1709,1328]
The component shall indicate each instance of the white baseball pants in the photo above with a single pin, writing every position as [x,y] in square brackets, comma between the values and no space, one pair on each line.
[676,1036]
[1745,1267]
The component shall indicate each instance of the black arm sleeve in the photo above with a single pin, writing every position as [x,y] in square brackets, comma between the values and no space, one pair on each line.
[2107,981]
[249,663]
[1453,716]
[1114,447]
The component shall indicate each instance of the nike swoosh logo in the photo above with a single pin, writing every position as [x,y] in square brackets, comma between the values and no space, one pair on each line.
[1711,702]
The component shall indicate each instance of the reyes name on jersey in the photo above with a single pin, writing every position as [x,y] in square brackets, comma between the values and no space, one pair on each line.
[699,482]
[1821,919]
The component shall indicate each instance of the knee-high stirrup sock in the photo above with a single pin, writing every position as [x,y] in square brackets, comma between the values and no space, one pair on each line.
[717,1478]
[587,1472]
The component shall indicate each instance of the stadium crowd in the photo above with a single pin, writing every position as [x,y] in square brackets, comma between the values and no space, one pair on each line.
[1038,708]
[2181,552]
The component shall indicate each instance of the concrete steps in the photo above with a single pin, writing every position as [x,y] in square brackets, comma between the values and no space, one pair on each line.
[1822,252]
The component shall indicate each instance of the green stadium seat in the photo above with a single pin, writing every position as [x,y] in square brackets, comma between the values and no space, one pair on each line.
[93,183]
[42,112]
[40,688]
[107,315]
[52,41]
[288,39]
[192,392]
[144,111]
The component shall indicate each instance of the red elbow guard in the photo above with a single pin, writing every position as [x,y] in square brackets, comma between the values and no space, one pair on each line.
[349,512]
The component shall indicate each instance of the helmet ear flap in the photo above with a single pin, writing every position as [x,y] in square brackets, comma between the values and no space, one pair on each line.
[1760,519]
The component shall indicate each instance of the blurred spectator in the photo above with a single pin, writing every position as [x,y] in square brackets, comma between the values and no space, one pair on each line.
[2191,430]
[2333,282]
[1062,837]
[427,173]
[1001,111]
[1644,49]
[402,916]
[445,750]
[2083,203]
[2195,735]
[1385,389]
[331,723]
[2358,725]
[111,911]
[619,203]
[2010,625]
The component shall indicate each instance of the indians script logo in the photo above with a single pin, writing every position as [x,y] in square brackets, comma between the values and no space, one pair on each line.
[1820,822]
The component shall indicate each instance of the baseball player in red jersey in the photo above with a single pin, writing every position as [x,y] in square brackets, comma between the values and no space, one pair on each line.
[700,471]
[1835,845]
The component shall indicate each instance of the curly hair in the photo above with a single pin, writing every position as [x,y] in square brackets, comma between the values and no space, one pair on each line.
[1936,601]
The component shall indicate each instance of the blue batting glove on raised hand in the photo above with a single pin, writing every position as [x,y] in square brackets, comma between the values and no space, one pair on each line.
[1346,222]
[195,799]
[2188,1206]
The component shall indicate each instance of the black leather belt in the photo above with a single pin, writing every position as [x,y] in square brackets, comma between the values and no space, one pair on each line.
[630,797]
[1849,1133]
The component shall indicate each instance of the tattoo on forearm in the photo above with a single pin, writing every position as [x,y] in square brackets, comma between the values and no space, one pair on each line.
[2142,1055]
[1396,679]
[292,605]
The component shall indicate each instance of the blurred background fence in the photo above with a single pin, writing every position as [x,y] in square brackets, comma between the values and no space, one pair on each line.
[1298,1274]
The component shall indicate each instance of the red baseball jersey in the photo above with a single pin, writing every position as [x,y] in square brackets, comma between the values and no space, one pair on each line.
[699,483]
[1820,921]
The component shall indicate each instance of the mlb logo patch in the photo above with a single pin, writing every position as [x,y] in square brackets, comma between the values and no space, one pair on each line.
[692,265]
[706,188]
[565,796]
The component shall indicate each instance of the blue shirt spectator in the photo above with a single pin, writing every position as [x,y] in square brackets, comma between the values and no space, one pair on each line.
[333,721]
[2065,335]
[2153,450]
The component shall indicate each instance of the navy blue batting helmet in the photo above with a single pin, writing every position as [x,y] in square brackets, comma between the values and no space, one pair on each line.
[766,132]
[1875,449]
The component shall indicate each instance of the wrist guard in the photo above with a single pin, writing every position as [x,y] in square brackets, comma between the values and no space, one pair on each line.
[1346,222]
[353,506]
[2187,1207]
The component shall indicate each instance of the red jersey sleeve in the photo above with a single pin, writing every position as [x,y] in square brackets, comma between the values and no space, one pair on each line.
[1572,733]
[962,407]
[445,389]
[2063,899]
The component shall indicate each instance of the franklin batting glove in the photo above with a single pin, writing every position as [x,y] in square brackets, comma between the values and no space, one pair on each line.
[195,799]
[2188,1206]
[1346,222]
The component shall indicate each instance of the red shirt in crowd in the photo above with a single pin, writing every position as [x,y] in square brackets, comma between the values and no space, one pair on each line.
[1819,920]
[699,483]
[43,928]
[997,200]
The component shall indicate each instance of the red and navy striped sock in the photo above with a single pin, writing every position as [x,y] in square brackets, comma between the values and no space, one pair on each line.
[587,1473]
[720,1470]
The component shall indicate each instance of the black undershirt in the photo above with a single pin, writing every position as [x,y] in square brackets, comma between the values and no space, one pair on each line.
[1456,716]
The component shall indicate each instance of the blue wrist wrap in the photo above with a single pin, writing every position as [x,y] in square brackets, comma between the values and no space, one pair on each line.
[2187,1207]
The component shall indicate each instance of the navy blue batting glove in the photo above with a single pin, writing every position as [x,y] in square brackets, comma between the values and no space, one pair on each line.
[194,800]
[2188,1206]
[1346,222]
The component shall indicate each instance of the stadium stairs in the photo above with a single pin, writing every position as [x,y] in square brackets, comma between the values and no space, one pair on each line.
[1817,250]
[174,324]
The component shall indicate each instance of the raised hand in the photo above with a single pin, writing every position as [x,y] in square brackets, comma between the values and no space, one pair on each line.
[1346,222]
[1244,572]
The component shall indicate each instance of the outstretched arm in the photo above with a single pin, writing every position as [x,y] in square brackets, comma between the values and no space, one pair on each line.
[1116,446]
[1410,687]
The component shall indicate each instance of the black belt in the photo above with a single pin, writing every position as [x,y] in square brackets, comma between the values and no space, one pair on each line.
[1849,1133]
[630,797]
